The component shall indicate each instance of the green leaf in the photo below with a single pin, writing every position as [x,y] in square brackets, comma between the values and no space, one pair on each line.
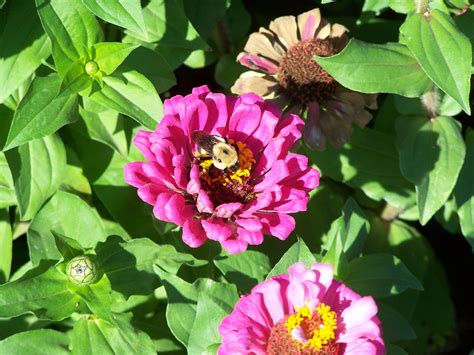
[375,6]
[379,275]
[104,125]
[228,70]
[431,156]
[61,215]
[124,13]
[22,48]
[205,14]
[129,264]
[38,169]
[69,248]
[326,202]
[132,94]
[152,65]
[374,68]
[444,52]
[43,291]
[298,252]
[395,326]
[168,26]
[71,28]
[213,305]
[354,165]
[245,269]
[43,341]
[6,245]
[109,55]
[93,335]
[395,349]
[121,200]
[75,80]
[417,307]
[7,189]
[352,228]
[41,112]
[182,301]
[464,192]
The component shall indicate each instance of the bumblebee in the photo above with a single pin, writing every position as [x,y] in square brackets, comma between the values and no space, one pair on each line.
[223,155]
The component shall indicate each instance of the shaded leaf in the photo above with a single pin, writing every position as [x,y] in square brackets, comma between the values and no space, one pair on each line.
[431,156]
[464,192]
[22,48]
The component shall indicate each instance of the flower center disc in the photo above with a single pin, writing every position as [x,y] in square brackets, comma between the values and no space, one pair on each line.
[225,186]
[305,332]
[301,78]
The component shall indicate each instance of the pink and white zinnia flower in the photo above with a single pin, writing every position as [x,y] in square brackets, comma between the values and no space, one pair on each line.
[235,208]
[304,312]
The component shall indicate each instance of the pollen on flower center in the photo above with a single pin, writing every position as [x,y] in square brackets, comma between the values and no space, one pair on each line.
[301,78]
[226,186]
[305,332]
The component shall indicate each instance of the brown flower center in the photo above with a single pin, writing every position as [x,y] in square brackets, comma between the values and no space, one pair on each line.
[225,186]
[301,78]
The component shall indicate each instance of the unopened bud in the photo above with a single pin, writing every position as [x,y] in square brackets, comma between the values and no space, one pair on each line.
[81,270]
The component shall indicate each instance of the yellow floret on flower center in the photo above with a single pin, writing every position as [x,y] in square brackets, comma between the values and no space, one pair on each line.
[319,326]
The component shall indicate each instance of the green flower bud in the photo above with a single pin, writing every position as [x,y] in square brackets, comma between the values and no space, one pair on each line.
[81,270]
[91,68]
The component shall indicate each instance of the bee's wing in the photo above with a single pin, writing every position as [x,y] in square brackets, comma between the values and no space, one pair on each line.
[205,141]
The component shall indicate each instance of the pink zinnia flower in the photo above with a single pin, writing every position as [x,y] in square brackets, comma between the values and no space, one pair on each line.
[236,207]
[305,312]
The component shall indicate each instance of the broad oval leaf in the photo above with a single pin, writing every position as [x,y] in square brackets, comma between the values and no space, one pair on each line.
[41,112]
[374,68]
[132,94]
[92,335]
[38,168]
[464,192]
[444,52]
[43,341]
[61,215]
[43,291]
[212,306]
[22,47]
[379,275]
[245,270]
[129,264]
[124,13]
[354,165]
[431,156]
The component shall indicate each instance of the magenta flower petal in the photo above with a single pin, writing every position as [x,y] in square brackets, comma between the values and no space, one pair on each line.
[237,206]
[272,318]
[193,233]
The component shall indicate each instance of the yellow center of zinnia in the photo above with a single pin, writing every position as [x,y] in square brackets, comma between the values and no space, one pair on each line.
[305,332]
[226,186]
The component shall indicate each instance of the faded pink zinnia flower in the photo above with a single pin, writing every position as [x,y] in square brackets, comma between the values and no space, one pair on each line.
[284,70]
[235,207]
[304,312]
